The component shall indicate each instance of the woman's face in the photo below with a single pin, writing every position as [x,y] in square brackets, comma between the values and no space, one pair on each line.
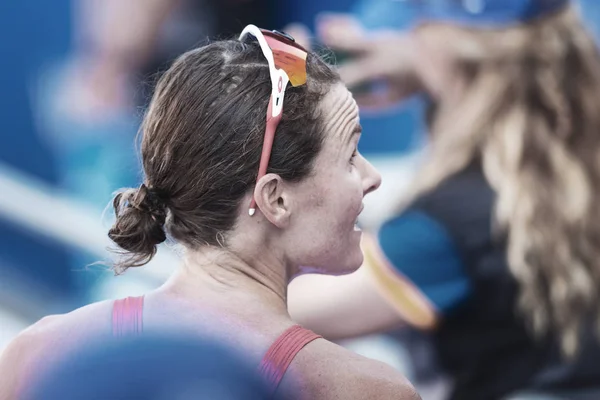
[324,234]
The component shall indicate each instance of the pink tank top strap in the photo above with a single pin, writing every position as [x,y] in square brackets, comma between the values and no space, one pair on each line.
[281,354]
[127,316]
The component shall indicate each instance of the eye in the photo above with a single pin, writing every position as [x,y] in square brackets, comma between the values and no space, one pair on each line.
[354,154]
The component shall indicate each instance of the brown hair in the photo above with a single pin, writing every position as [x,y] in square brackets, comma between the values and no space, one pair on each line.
[201,142]
[531,113]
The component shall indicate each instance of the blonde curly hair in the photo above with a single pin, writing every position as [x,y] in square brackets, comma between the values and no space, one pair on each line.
[530,111]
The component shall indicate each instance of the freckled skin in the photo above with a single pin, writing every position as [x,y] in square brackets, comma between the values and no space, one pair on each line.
[333,197]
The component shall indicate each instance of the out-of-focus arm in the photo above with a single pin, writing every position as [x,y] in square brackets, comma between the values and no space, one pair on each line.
[340,307]
[120,32]
[114,39]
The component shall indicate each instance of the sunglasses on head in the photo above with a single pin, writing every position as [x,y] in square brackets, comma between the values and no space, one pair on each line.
[287,63]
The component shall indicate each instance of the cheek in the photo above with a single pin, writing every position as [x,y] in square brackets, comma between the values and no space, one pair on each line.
[348,206]
[353,194]
[338,215]
[327,240]
[334,203]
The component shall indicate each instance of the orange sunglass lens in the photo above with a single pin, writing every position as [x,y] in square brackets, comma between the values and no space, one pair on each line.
[290,58]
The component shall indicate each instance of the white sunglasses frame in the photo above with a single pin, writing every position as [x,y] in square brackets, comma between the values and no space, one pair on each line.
[279,78]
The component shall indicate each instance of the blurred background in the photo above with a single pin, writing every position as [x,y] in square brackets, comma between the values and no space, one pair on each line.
[75,77]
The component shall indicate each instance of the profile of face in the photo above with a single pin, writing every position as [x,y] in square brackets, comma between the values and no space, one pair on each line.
[323,232]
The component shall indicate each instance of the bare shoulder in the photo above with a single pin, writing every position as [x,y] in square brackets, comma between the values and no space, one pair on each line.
[331,372]
[49,339]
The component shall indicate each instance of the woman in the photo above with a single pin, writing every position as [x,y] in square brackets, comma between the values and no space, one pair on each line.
[497,252]
[245,234]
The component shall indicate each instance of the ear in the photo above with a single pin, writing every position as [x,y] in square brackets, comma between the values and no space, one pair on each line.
[273,200]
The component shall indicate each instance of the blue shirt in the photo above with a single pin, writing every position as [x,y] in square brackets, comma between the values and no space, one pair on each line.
[416,254]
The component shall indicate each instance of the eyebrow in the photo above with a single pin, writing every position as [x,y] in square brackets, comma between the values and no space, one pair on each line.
[355,132]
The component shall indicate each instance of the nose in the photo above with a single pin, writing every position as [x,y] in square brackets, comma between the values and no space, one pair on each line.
[371,178]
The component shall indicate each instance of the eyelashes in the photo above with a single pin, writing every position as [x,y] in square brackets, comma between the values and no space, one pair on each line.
[354,154]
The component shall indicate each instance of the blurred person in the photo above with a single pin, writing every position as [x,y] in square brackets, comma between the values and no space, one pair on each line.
[152,368]
[248,208]
[496,254]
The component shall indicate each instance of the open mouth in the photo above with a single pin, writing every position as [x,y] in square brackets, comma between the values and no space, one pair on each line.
[356,227]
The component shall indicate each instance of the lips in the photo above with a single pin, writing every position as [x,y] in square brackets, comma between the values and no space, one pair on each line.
[356,227]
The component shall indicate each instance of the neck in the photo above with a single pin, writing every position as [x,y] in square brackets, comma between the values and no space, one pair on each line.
[259,279]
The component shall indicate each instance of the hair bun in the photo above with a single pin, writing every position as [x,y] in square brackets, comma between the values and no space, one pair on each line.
[150,201]
[139,225]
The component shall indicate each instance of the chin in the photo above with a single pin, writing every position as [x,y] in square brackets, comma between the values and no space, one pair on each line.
[346,264]
[353,262]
